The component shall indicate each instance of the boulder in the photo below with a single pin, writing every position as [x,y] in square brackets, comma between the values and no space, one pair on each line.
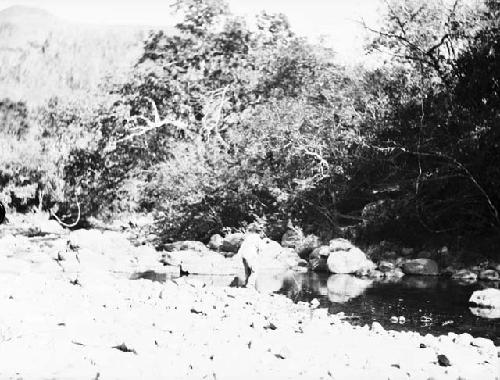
[489,275]
[186,245]
[232,243]
[425,267]
[486,298]
[262,254]
[318,259]
[215,242]
[464,275]
[307,245]
[386,266]
[346,258]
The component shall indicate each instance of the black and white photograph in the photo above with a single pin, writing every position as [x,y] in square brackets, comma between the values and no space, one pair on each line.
[250,189]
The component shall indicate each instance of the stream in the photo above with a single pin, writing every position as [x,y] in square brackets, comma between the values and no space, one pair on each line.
[434,305]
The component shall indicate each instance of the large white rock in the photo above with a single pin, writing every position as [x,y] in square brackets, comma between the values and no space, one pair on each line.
[486,298]
[264,254]
[345,258]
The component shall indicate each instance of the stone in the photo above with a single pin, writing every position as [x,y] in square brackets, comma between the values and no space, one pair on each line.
[486,298]
[489,275]
[215,242]
[443,361]
[258,254]
[425,267]
[464,275]
[345,258]
[307,245]
[232,243]
[386,266]
[318,259]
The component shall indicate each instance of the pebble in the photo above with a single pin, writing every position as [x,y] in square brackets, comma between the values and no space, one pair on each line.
[443,361]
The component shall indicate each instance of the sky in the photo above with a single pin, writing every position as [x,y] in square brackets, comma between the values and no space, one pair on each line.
[336,20]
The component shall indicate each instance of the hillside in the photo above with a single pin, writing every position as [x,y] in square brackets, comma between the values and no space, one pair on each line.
[43,56]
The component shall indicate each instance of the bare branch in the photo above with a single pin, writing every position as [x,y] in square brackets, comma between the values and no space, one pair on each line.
[68,225]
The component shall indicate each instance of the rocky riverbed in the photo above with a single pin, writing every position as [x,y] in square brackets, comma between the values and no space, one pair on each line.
[69,310]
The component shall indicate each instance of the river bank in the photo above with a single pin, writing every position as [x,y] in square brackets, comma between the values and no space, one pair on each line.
[73,312]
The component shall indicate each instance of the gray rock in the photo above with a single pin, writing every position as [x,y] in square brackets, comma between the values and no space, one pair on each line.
[489,275]
[425,267]
[443,361]
[318,259]
[307,245]
[464,275]
[232,243]
[386,266]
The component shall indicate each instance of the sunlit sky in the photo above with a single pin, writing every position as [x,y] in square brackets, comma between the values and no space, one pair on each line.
[337,20]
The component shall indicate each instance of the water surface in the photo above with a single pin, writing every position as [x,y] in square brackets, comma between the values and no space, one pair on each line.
[429,304]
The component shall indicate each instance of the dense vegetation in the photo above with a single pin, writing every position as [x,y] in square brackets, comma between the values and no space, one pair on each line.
[222,124]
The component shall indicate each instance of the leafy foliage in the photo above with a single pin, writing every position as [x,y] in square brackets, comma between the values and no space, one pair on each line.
[222,124]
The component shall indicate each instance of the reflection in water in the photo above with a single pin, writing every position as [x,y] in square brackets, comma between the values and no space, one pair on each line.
[420,282]
[343,287]
[430,304]
[283,282]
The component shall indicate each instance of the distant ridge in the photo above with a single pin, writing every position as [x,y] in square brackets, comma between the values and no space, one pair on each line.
[42,55]
[26,14]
